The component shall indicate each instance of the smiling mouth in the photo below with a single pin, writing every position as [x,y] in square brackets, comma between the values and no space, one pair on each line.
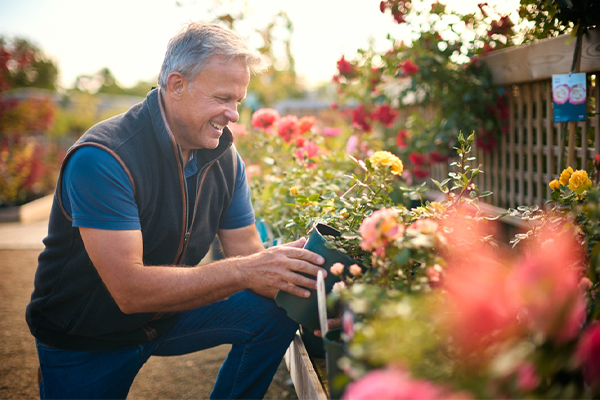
[217,126]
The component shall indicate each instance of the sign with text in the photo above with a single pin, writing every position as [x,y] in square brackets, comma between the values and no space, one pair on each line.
[569,97]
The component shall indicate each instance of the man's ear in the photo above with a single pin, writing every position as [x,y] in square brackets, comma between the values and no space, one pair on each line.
[175,83]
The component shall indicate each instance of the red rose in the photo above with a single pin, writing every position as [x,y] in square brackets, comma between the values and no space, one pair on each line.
[288,127]
[306,123]
[385,114]
[417,159]
[420,173]
[588,354]
[346,69]
[437,157]
[401,138]
[264,118]
[409,68]
[361,118]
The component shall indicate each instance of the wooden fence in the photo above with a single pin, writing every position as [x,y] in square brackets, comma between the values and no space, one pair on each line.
[531,154]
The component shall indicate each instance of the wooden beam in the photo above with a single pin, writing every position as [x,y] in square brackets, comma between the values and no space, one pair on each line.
[541,59]
[302,371]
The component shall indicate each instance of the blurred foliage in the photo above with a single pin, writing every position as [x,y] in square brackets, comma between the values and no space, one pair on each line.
[554,17]
[22,64]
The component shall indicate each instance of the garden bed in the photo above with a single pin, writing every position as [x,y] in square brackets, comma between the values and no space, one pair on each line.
[37,210]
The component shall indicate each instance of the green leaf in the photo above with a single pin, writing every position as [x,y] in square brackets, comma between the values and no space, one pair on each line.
[313,197]
[485,194]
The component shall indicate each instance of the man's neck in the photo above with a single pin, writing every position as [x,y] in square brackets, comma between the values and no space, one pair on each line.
[186,154]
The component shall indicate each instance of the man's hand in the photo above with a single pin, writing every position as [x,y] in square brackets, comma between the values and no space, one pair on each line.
[279,268]
[331,323]
[265,271]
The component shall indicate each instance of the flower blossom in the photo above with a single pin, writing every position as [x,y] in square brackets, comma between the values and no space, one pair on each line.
[355,270]
[554,185]
[385,114]
[565,175]
[385,158]
[307,152]
[329,131]
[361,118]
[548,274]
[401,138]
[409,68]
[437,157]
[346,69]
[337,269]
[306,123]
[287,127]
[417,159]
[392,383]
[379,229]
[425,225]
[587,354]
[579,181]
[264,118]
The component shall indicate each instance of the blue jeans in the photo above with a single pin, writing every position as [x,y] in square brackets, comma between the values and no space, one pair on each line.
[257,329]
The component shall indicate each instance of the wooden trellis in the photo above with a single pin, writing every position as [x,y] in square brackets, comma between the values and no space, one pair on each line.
[531,154]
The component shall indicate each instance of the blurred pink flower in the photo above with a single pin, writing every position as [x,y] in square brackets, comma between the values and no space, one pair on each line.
[379,229]
[307,152]
[264,118]
[392,383]
[527,377]
[330,131]
[587,354]
[352,144]
[355,270]
[237,129]
[306,123]
[287,127]
[252,170]
[546,285]
[337,268]
[424,225]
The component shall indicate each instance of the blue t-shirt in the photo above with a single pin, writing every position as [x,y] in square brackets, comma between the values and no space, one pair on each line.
[97,193]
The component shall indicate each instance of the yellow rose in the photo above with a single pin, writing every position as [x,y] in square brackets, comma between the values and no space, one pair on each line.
[579,181]
[554,185]
[387,159]
[565,176]
[294,190]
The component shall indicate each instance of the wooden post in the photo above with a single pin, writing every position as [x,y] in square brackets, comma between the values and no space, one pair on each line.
[573,125]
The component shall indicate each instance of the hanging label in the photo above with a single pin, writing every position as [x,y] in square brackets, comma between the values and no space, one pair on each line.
[569,97]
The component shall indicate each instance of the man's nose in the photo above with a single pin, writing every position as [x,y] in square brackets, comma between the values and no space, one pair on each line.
[232,114]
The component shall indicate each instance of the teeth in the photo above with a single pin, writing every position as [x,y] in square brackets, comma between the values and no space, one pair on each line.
[217,126]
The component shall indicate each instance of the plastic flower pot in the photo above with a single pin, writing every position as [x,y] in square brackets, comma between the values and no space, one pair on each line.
[304,310]
[334,350]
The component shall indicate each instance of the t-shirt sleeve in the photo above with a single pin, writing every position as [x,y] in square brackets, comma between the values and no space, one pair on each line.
[97,193]
[240,213]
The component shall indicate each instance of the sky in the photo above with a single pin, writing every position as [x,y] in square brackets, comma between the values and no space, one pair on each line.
[130,36]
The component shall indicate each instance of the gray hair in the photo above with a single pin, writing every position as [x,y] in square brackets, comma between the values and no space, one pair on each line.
[189,51]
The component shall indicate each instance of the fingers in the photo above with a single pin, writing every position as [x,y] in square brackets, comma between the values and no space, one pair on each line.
[331,323]
[297,243]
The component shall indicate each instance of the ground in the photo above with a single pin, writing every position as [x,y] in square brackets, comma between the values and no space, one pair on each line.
[183,377]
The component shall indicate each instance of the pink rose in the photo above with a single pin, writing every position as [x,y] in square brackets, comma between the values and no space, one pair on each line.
[264,118]
[287,127]
[587,354]
[390,384]
[337,269]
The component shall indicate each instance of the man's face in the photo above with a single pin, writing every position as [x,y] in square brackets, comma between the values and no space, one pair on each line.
[208,103]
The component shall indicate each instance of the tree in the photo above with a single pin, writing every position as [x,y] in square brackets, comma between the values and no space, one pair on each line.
[22,64]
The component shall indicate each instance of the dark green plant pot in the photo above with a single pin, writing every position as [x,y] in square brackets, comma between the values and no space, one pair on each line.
[313,344]
[304,310]
[334,350]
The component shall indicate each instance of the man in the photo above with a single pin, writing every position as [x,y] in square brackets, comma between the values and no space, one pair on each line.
[139,200]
